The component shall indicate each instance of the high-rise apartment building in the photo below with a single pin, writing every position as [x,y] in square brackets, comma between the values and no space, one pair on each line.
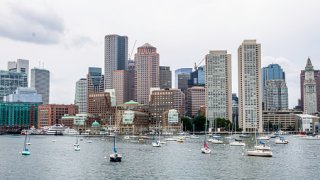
[40,80]
[218,86]
[164,100]
[131,80]
[271,72]
[81,95]
[249,86]
[196,98]
[147,72]
[165,77]
[10,81]
[121,86]
[317,79]
[276,95]
[310,90]
[115,56]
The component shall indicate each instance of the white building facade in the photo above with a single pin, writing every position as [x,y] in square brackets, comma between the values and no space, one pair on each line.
[81,95]
[310,92]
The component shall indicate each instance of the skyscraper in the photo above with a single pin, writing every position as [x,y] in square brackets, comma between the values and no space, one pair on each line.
[20,66]
[317,79]
[81,95]
[40,80]
[147,72]
[196,98]
[182,77]
[310,90]
[165,77]
[121,86]
[10,81]
[271,72]
[131,80]
[197,77]
[249,86]
[276,95]
[116,56]
[218,86]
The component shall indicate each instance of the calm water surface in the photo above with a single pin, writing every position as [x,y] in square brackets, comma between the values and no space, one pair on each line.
[299,159]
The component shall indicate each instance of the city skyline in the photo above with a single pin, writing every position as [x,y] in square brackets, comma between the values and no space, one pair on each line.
[58,38]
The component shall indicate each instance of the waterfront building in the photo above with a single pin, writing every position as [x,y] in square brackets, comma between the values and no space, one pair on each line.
[99,106]
[309,99]
[197,77]
[15,116]
[81,95]
[164,100]
[51,114]
[40,80]
[10,81]
[133,120]
[196,98]
[147,72]
[171,121]
[306,123]
[276,120]
[121,86]
[131,80]
[235,109]
[271,72]
[165,77]
[115,56]
[317,79]
[24,94]
[218,86]
[182,77]
[249,86]
[276,95]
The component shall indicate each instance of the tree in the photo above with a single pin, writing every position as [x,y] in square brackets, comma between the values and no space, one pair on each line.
[187,123]
[199,123]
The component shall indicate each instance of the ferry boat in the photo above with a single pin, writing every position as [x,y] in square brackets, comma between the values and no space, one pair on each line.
[56,129]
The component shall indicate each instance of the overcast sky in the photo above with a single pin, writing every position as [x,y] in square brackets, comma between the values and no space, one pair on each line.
[68,36]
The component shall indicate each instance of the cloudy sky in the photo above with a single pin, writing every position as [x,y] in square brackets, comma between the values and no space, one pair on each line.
[67,36]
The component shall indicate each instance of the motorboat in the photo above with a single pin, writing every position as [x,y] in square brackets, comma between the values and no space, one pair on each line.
[281,140]
[259,153]
[70,132]
[56,129]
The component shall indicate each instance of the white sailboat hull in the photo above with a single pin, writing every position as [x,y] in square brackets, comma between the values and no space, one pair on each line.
[115,157]
[262,147]
[205,151]
[278,141]
[259,153]
[237,143]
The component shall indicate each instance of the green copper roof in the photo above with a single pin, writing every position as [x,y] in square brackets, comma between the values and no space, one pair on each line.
[131,103]
[95,124]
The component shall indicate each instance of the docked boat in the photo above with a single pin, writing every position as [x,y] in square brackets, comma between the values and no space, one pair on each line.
[281,140]
[70,132]
[56,129]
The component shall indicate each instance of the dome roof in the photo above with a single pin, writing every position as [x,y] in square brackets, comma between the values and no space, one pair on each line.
[131,103]
[95,124]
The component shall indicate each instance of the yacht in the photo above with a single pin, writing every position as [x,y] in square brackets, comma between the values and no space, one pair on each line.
[70,132]
[56,129]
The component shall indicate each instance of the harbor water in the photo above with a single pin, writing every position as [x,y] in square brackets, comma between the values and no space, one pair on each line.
[300,159]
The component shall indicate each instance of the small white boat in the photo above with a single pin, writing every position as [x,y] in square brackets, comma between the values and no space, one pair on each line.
[180,140]
[216,141]
[237,143]
[216,136]
[126,137]
[281,141]
[194,137]
[263,138]
[89,141]
[170,139]
[259,153]
[262,147]
[205,150]
[162,142]
[115,157]
[156,144]
[244,136]
[77,148]
[28,143]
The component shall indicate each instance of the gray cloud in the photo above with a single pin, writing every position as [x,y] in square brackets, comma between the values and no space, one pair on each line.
[30,25]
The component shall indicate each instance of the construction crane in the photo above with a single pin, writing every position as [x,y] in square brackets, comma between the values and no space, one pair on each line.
[197,65]
[134,45]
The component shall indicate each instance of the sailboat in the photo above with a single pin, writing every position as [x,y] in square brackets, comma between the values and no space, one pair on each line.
[236,142]
[260,152]
[76,145]
[25,150]
[193,136]
[156,143]
[28,143]
[205,149]
[115,156]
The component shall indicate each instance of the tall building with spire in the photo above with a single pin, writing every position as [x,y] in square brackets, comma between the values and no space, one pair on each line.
[249,86]
[218,86]
[310,90]
[147,72]
[115,56]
